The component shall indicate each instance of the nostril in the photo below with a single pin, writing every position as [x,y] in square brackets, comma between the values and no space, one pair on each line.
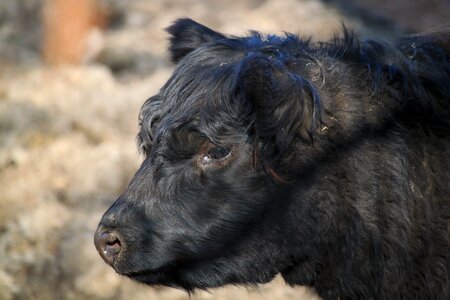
[112,248]
[108,246]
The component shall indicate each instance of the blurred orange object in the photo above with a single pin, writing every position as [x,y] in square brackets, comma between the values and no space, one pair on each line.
[67,26]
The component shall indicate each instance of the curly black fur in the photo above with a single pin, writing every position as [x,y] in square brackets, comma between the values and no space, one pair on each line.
[332,167]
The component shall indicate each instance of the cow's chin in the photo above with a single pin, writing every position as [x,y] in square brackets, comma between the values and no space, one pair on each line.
[180,278]
[148,277]
[191,276]
[162,276]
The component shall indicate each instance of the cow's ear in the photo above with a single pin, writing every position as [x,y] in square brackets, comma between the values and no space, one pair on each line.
[285,106]
[188,35]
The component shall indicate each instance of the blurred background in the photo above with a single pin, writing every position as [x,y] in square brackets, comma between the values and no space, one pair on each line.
[73,75]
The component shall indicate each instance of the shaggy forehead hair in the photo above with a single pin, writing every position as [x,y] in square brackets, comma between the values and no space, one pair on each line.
[212,87]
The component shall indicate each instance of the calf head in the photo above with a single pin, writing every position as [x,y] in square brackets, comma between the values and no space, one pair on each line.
[210,200]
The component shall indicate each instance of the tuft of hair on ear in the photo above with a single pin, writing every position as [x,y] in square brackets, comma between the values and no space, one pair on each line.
[285,106]
[188,35]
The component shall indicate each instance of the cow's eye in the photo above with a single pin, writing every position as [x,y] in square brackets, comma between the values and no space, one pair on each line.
[215,153]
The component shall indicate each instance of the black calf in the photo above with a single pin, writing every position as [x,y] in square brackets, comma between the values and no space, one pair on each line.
[327,163]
